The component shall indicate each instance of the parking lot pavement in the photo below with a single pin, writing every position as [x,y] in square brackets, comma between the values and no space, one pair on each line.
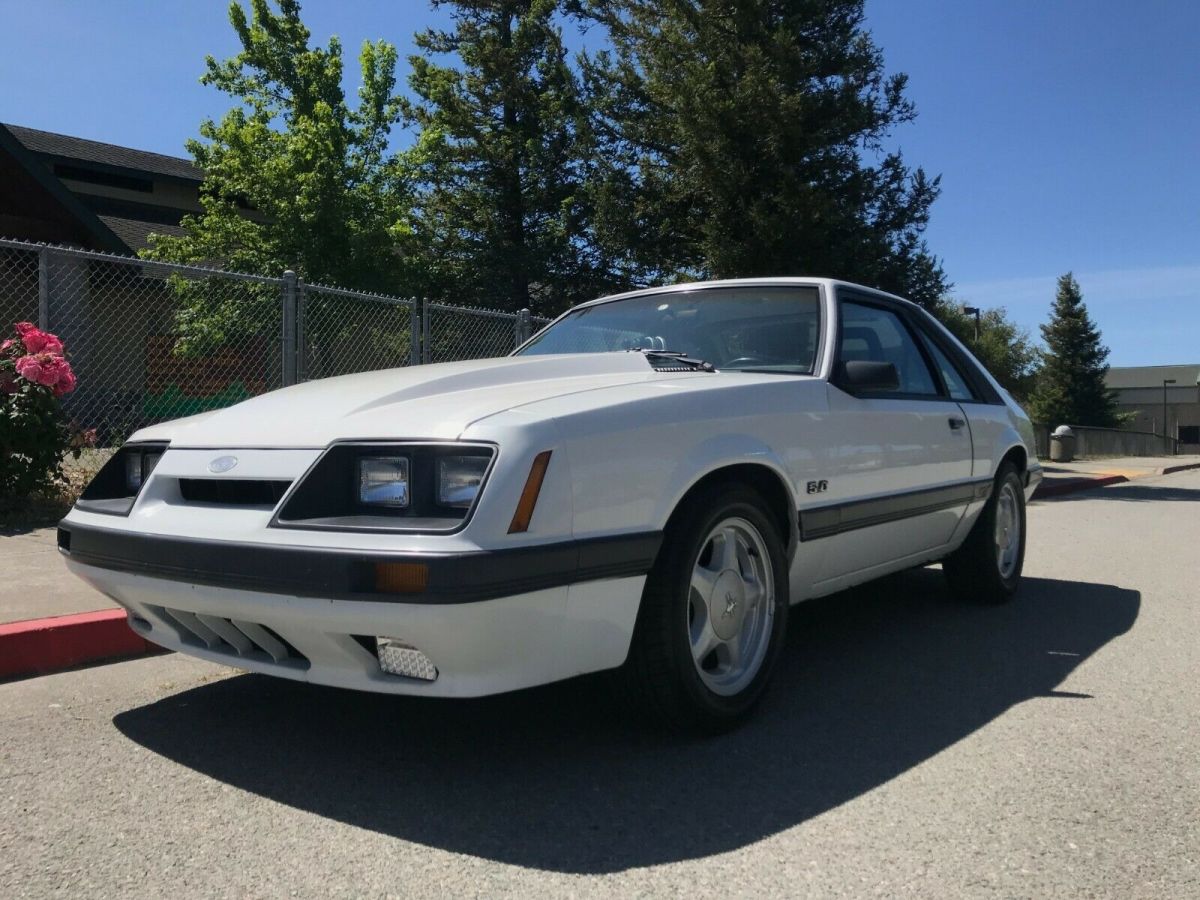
[36,583]
[911,746]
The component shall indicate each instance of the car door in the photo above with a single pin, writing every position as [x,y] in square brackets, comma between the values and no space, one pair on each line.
[899,474]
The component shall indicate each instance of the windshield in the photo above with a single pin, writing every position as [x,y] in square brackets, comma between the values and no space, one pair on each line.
[759,329]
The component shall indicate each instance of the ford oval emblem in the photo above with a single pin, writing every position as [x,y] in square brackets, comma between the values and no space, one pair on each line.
[222,464]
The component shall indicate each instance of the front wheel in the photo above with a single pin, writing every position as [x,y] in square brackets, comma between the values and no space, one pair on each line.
[988,565]
[713,615]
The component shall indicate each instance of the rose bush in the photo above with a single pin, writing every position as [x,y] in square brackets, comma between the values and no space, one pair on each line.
[34,433]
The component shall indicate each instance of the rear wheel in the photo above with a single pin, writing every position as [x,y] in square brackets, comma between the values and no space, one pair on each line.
[713,614]
[988,565]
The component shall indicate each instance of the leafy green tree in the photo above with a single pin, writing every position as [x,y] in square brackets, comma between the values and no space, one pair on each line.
[746,137]
[295,177]
[499,157]
[1071,389]
[1005,349]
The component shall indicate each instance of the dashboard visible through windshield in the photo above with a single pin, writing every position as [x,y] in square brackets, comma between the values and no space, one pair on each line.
[753,329]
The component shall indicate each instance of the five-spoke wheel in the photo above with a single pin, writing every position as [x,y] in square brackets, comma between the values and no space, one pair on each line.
[713,612]
[988,565]
[731,605]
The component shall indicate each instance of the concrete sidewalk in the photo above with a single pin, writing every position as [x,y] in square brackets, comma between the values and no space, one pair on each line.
[1084,474]
[36,583]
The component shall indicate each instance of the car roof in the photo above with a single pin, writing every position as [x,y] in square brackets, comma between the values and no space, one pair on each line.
[781,281]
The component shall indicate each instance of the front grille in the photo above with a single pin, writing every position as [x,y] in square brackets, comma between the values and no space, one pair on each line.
[233,491]
[238,639]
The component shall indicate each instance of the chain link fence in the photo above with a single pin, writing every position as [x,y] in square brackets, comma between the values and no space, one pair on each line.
[152,341]
[342,331]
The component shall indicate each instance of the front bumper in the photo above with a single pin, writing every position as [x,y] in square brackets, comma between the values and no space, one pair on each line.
[489,622]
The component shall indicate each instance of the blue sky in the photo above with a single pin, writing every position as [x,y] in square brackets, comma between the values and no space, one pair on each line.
[1066,132]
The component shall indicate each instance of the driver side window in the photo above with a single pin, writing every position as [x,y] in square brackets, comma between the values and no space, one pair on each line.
[873,334]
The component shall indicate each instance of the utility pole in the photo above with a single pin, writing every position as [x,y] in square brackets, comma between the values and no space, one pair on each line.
[1165,382]
[973,311]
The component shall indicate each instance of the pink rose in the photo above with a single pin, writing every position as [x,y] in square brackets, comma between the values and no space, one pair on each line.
[34,340]
[52,369]
[66,384]
[24,328]
[53,344]
[6,344]
[29,368]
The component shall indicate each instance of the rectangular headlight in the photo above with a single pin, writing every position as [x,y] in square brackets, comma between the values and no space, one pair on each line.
[459,478]
[138,466]
[383,481]
[133,470]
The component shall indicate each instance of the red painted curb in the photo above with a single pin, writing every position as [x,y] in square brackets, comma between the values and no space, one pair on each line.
[1047,489]
[41,646]
[1182,468]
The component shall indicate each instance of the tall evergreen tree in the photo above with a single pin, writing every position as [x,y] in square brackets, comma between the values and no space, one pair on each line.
[1071,389]
[745,137]
[499,157]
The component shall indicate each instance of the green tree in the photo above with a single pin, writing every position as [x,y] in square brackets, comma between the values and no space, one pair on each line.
[1070,388]
[294,176]
[1004,348]
[746,137]
[499,157]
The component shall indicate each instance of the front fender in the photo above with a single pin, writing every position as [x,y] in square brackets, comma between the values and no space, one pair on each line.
[710,456]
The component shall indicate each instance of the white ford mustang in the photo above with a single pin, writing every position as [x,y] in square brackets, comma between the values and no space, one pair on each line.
[648,484]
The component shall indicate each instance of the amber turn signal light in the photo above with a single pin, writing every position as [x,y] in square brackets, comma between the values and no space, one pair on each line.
[529,496]
[401,578]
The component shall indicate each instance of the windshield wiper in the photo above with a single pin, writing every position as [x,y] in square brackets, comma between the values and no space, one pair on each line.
[677,359]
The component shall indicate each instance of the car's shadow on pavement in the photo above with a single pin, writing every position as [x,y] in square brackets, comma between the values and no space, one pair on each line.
[872,682]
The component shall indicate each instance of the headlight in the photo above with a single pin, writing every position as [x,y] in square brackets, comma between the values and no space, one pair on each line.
[138,466]
[459,478]
[121,479]
[420,486]
[383,481]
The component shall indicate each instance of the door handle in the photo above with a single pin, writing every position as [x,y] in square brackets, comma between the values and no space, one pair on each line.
[956,423]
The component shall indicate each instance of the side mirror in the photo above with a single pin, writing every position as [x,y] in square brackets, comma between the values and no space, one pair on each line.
[864,376]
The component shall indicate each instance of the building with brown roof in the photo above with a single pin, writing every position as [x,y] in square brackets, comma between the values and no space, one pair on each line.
[65,190]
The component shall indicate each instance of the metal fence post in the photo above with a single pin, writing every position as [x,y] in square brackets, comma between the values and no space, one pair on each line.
[43,289]
[526,325]
[425,343]
[414,333]
[289,327]
[301,340]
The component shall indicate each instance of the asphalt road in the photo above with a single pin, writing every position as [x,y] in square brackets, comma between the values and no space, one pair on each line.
[911,746]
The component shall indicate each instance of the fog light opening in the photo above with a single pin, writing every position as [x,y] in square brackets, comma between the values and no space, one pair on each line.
[398,658]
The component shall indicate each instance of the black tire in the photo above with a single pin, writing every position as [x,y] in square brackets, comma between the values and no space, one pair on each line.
[659,674]
[974,570]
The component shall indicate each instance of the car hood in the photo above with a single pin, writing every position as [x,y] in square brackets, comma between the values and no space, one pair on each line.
[434,401]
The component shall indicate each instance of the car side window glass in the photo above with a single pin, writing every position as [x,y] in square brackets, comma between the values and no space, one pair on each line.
[872,334]
[955,383]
